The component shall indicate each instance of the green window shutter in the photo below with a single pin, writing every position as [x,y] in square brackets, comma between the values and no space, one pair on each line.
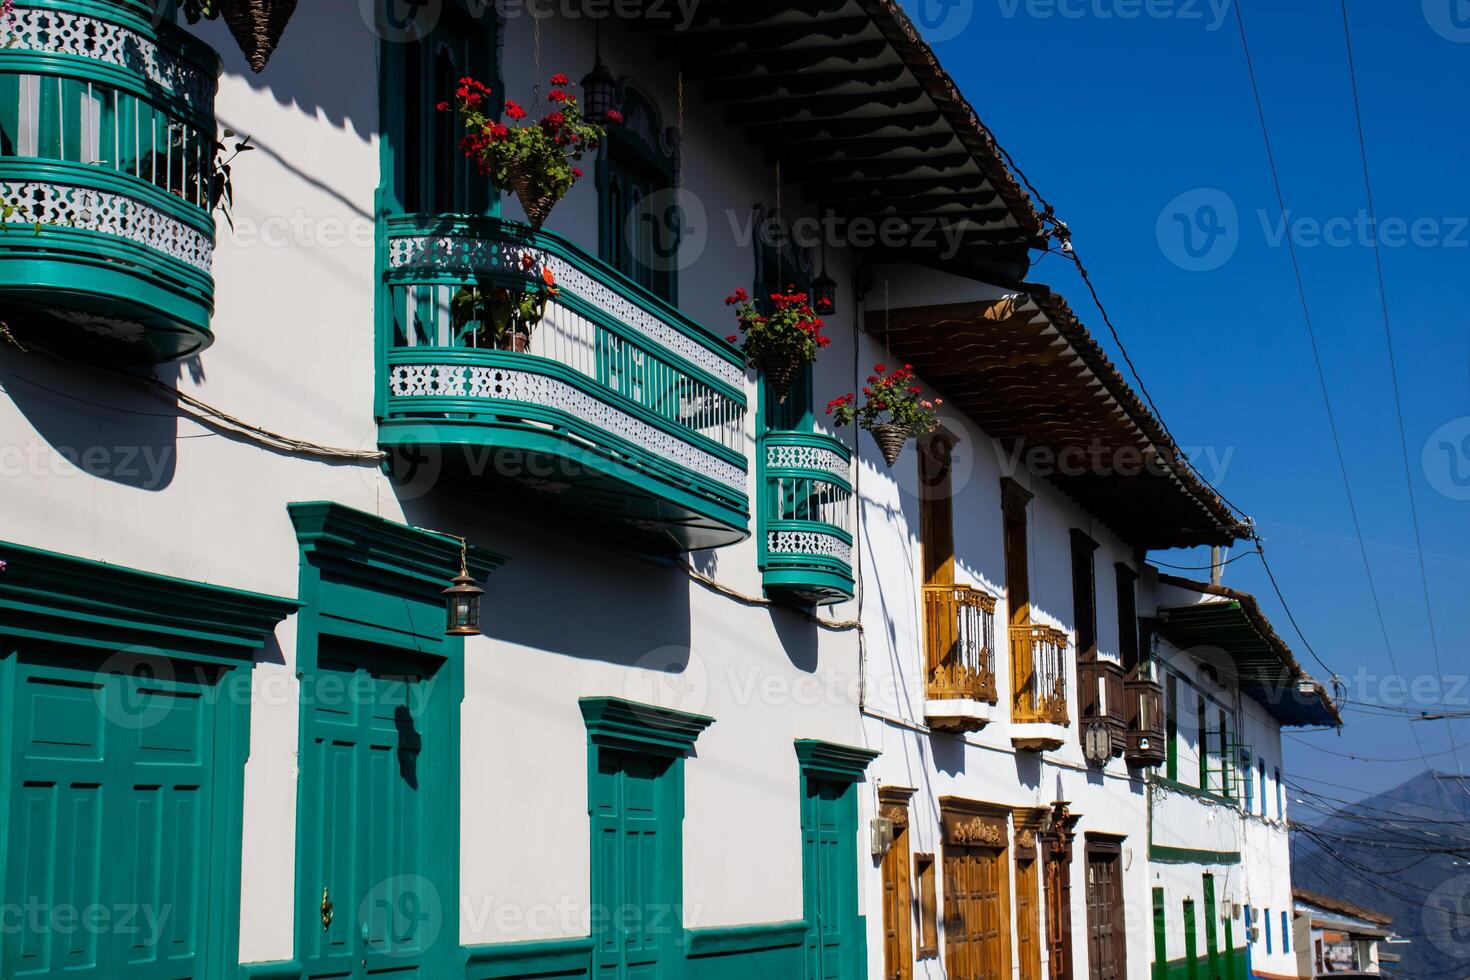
[1171,729]
[1161,937]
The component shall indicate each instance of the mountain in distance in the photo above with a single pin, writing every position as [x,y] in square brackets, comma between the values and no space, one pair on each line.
[1405,853]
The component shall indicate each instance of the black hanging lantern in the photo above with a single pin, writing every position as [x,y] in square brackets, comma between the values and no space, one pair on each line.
[824,290]
[462,603]
[824,294]
[600,89]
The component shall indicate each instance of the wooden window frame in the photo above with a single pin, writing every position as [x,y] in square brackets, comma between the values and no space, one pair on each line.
[1127,597]
[1014,500]
[1084,594]
[928,906]
[898,910]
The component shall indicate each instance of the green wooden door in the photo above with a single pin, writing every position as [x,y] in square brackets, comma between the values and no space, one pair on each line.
[373,899]
[636,913]
[829,878]
[111,782]
[1161,940]
[1212,942]
[1191,942]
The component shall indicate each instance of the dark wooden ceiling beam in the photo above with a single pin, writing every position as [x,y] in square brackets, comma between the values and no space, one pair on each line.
[756,42]
[748,13]
[721,67]
[821,107]
[867,148]
[771,134]
[875,168]
[767,86]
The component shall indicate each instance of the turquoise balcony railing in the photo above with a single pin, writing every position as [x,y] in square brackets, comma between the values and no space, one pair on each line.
[107,136]
[806,517]
[620,413]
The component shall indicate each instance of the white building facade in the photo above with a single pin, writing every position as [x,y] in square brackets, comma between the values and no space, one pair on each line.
[243,461]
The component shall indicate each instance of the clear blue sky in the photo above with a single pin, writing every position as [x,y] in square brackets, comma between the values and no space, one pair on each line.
[1113,118]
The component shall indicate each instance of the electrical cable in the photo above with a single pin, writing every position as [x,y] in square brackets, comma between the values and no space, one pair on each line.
[1393,371]
[1317,361]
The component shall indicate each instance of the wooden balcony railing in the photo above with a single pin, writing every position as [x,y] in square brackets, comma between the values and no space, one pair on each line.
[959,624]
[1101,697]
[1146,733]
[1038,674]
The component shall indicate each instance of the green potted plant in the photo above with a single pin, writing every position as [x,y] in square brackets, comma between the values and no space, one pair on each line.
[535,160]
[894,409]
[501,317]
[780,342]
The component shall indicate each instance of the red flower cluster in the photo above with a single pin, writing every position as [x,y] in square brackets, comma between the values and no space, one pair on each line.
[614,116]
[560,79]
[841,400]
[471,92]
[790,328]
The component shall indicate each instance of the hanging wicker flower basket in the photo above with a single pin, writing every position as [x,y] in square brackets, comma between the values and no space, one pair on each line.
[257,26]
[890,439]
[534,201]
[780,372]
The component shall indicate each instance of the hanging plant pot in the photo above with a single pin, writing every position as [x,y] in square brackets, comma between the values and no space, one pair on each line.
[537,204]
[257,26]
[780,371]
[890,439]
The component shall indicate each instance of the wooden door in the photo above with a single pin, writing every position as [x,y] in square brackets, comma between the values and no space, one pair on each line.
[112,781]
[370,902]
[1028,917]
[976,920]
[898,899]
[1058,911]
[635,883]
[1106,938]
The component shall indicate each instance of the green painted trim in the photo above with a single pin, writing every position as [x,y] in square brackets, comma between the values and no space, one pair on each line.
[364,547]
[1189,855]
[801,579]
[371,580]
[515,233]
[50,598]
[533,364]
[828,760]
[724,517]
[545,958]
[621,724]
[77,601]
[276,970]
[1174,785]
[728,940]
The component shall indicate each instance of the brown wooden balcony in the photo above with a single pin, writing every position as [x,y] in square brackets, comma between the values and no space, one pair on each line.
[1101,697]
[1145,735]
[959,626]
[1039,686]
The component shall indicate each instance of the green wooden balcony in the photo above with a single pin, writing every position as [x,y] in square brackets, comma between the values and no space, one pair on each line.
[806,518]
[623,415]
[107,137]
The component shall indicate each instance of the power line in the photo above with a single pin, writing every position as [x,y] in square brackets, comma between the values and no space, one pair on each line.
[1393,371]
[1316,359]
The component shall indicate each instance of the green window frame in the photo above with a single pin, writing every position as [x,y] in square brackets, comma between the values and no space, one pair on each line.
[638,231]
[423,168]
[374,584]
[54,604]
